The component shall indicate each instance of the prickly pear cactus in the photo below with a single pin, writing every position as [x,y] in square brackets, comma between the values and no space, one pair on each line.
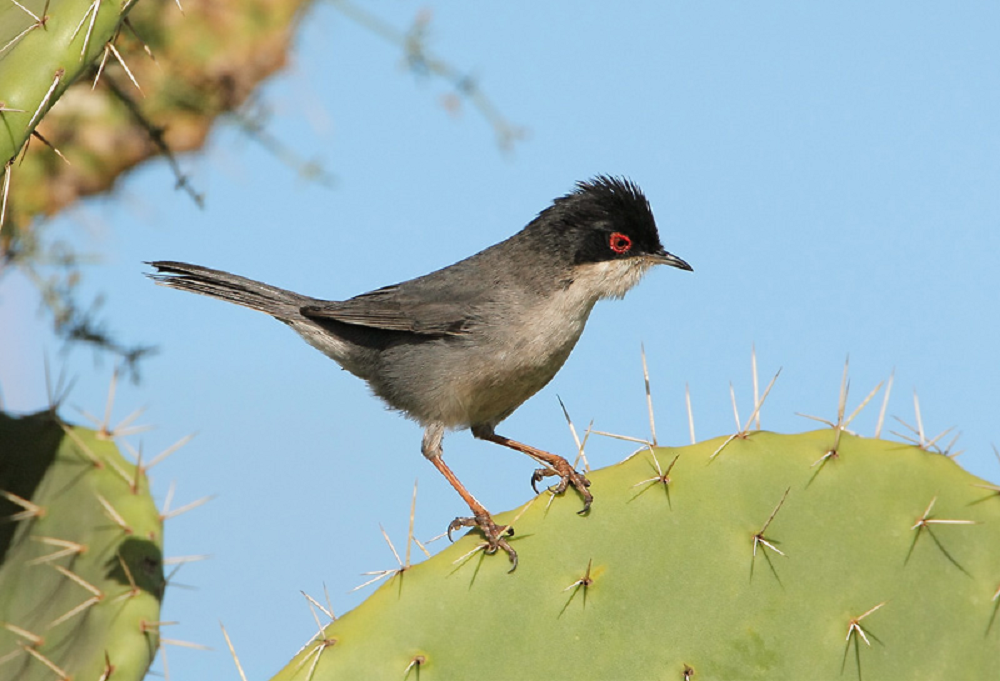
[81,575]
[210,56]
[45,45]
[813,556]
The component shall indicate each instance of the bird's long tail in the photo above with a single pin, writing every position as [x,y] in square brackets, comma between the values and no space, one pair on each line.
[272,300]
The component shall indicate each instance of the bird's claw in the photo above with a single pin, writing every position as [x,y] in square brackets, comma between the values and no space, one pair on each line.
[495,535]
[567,477]
[537,477]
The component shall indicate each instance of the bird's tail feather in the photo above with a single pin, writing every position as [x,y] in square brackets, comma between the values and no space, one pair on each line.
[255,295]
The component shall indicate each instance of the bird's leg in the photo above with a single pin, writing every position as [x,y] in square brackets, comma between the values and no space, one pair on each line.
[553,465]
[495,534]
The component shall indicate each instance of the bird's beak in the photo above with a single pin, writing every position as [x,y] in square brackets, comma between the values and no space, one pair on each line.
[663,258]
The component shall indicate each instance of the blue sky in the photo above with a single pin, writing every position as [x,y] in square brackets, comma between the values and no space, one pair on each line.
[831,172]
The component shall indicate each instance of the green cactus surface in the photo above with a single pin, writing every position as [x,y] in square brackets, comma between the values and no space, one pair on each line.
[779,557]
[45,45]
[81,577]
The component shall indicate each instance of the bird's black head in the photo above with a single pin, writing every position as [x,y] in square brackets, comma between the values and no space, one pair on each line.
[605,219]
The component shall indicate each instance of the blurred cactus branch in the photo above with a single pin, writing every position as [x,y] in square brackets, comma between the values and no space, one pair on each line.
[156,136]
[53,268]
[252,121]
[418,58]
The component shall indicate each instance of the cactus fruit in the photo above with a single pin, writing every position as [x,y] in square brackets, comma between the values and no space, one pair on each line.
[817,555]
[81,577]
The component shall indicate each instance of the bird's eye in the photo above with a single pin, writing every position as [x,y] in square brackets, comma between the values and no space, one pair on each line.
[619,243]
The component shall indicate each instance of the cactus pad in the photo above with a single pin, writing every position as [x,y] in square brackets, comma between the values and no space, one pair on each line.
[779,558]
[81,577]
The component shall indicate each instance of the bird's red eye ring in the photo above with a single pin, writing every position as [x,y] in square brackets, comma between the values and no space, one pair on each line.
[620,243]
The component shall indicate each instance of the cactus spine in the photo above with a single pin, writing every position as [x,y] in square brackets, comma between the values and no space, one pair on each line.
[818,555]
[81,577]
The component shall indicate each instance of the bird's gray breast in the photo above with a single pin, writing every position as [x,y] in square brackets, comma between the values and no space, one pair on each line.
[509,353]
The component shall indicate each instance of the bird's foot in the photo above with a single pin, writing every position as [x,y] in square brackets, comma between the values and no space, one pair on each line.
[495,534]
[567,476]
[553,465]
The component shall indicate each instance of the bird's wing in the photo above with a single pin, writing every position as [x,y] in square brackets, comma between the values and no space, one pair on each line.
[395,308]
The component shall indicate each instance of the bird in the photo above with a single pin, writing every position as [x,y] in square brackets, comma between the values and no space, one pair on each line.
[466,345]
